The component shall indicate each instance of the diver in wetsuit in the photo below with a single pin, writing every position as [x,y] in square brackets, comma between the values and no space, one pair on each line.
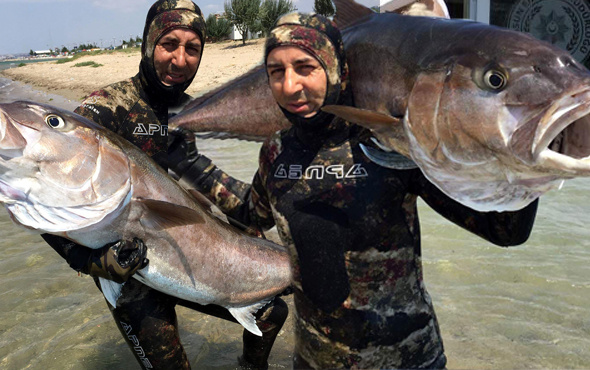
[351,226]
[138,110]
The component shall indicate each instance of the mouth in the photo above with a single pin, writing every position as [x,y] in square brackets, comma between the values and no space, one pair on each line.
[172,78]
[298,107]
[563,138]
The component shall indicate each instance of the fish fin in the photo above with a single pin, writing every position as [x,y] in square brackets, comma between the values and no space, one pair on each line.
[360,116]
[392,160]
[349,12]
[430,8]
[387,129]
[245,316]
[163,215]
[111,290]
[201,199]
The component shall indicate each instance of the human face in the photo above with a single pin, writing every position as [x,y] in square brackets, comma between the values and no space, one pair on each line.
[177,55]
[297,80]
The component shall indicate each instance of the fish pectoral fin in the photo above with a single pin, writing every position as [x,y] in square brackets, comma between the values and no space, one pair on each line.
[111,290]
[391,160]
[364,117]
[201,199]
[387,129]
[245,316]
[163,215]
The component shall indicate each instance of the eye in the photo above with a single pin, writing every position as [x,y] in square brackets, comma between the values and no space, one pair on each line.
[494,79]
[55,121]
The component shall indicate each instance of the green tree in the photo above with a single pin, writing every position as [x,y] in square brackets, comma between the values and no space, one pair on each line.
[64,50]
[271,10]
[243,14]
[324,7]
[217,29]
[31,53]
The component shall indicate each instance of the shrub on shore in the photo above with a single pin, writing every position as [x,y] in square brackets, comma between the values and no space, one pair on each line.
[89,63]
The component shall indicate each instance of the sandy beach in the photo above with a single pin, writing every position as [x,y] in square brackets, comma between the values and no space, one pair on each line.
[221,62]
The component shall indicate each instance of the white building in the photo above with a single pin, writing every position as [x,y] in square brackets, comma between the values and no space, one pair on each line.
[237,35]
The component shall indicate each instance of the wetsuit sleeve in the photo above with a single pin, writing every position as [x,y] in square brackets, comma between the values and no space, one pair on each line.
[260,211]
[248,204]
[97,107]
[500,228]
[75,255]
[229,194]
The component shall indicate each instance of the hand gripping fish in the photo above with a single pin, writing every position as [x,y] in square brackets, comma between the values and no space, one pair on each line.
[493,117]
[65,175]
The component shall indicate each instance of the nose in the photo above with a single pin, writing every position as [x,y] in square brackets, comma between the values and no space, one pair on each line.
[179,57]
[291,83]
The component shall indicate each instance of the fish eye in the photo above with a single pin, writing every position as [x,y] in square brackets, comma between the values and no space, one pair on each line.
[55,121]
[494,79]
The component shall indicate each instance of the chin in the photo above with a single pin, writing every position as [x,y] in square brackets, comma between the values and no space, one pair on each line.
[309,115]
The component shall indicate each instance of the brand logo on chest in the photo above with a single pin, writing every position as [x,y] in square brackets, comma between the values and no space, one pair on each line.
[150,129]
[318,172]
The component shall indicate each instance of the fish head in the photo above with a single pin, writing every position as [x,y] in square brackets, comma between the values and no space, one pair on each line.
[502,121]
[58,170]
[493,117]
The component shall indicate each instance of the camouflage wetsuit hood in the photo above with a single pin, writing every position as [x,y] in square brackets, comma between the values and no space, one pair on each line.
[320,37]
[163,17]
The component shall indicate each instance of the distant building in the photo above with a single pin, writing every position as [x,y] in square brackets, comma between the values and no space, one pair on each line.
[43,52]
[237,35]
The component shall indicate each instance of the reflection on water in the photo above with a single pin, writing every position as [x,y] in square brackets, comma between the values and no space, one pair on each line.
[521,307]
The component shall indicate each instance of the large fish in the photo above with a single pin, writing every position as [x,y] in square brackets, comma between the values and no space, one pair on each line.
[493,117]
[245,108]
[65,175]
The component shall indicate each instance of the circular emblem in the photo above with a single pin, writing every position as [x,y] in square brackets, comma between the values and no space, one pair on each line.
[564,23]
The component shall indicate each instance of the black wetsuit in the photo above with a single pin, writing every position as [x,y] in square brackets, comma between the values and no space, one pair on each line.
[353,233]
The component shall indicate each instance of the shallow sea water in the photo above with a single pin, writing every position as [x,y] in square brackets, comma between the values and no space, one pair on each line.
[525,307]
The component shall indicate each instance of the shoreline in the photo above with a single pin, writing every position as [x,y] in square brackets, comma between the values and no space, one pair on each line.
[221,62]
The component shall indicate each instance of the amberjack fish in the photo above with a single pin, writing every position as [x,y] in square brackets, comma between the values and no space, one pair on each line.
[244,108]
[493,117]
[65,175]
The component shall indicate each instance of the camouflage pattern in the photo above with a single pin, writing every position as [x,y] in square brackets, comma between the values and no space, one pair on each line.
[125,108]
[353,234]
[173,14]
[387,320]
[164,16]
[318,36]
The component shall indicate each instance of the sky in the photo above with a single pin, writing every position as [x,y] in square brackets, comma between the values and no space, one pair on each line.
[46,24]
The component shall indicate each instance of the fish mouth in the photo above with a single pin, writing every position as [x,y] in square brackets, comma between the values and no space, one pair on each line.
[563,139]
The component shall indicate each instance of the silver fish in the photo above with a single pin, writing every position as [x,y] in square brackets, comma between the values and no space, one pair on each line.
[494,118]
[65,175]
